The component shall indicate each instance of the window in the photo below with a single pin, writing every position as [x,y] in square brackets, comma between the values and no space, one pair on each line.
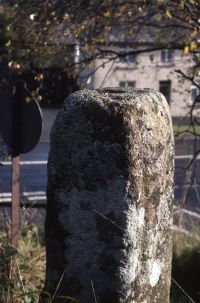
[77,53]
[127,84]
[197,56]
[166,56]
[165,89]
[127,59]
[194,92]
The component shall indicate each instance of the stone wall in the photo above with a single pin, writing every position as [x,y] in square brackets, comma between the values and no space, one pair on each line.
[110,190]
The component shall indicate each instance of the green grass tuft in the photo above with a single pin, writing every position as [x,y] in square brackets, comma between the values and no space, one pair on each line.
[186,267]
[22,270]
[186,130]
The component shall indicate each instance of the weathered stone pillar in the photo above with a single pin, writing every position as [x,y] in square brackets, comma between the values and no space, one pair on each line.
[110,189]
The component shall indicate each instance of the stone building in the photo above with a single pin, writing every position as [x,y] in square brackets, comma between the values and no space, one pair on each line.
[156,69]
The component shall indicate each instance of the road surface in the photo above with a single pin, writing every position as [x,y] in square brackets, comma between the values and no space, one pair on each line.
[33,177]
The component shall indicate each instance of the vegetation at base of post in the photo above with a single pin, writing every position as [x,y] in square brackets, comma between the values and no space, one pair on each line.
[22,271]
[186,266]
[186,130]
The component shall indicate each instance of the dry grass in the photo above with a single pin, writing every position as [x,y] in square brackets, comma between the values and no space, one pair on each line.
[186,130]
[186,267]
[22,270]
[186,243]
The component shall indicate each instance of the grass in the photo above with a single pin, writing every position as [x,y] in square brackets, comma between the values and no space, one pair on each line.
[186,267]
[22,271]
[186,130]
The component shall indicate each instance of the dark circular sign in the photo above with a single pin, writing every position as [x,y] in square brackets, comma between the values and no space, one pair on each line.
[20,121]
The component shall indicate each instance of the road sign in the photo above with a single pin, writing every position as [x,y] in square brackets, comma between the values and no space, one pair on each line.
[20,121]
[20,126]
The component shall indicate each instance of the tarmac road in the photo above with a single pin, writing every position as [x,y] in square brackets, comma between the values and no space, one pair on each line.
[33,176]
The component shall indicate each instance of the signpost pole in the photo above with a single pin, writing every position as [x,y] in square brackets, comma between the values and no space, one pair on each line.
[15,200]
[21,126]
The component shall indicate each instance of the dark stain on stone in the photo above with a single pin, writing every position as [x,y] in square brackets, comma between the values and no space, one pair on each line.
[107,127]
[155,196]
[110,297]
[112,90]
[54,238]
[101,136]
[107,229]
[70,287]
[140,123]
[160,148]
[108,264]
[74,285]
[85,205]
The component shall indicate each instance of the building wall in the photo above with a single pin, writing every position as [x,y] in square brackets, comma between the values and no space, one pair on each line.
[147,71]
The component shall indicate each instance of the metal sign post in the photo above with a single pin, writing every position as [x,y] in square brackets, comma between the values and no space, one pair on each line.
[21,126]
[15,200]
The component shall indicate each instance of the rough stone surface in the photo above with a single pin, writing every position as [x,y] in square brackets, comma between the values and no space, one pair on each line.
[110,191]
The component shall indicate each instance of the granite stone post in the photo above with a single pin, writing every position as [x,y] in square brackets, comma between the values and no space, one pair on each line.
[110,190]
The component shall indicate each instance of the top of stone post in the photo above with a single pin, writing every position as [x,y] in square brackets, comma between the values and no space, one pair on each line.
[124,97]
[112,90]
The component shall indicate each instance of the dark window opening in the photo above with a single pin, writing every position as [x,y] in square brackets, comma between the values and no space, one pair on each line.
[165,89]
[194,94]
[166,55]
[127,84]
[127,59]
